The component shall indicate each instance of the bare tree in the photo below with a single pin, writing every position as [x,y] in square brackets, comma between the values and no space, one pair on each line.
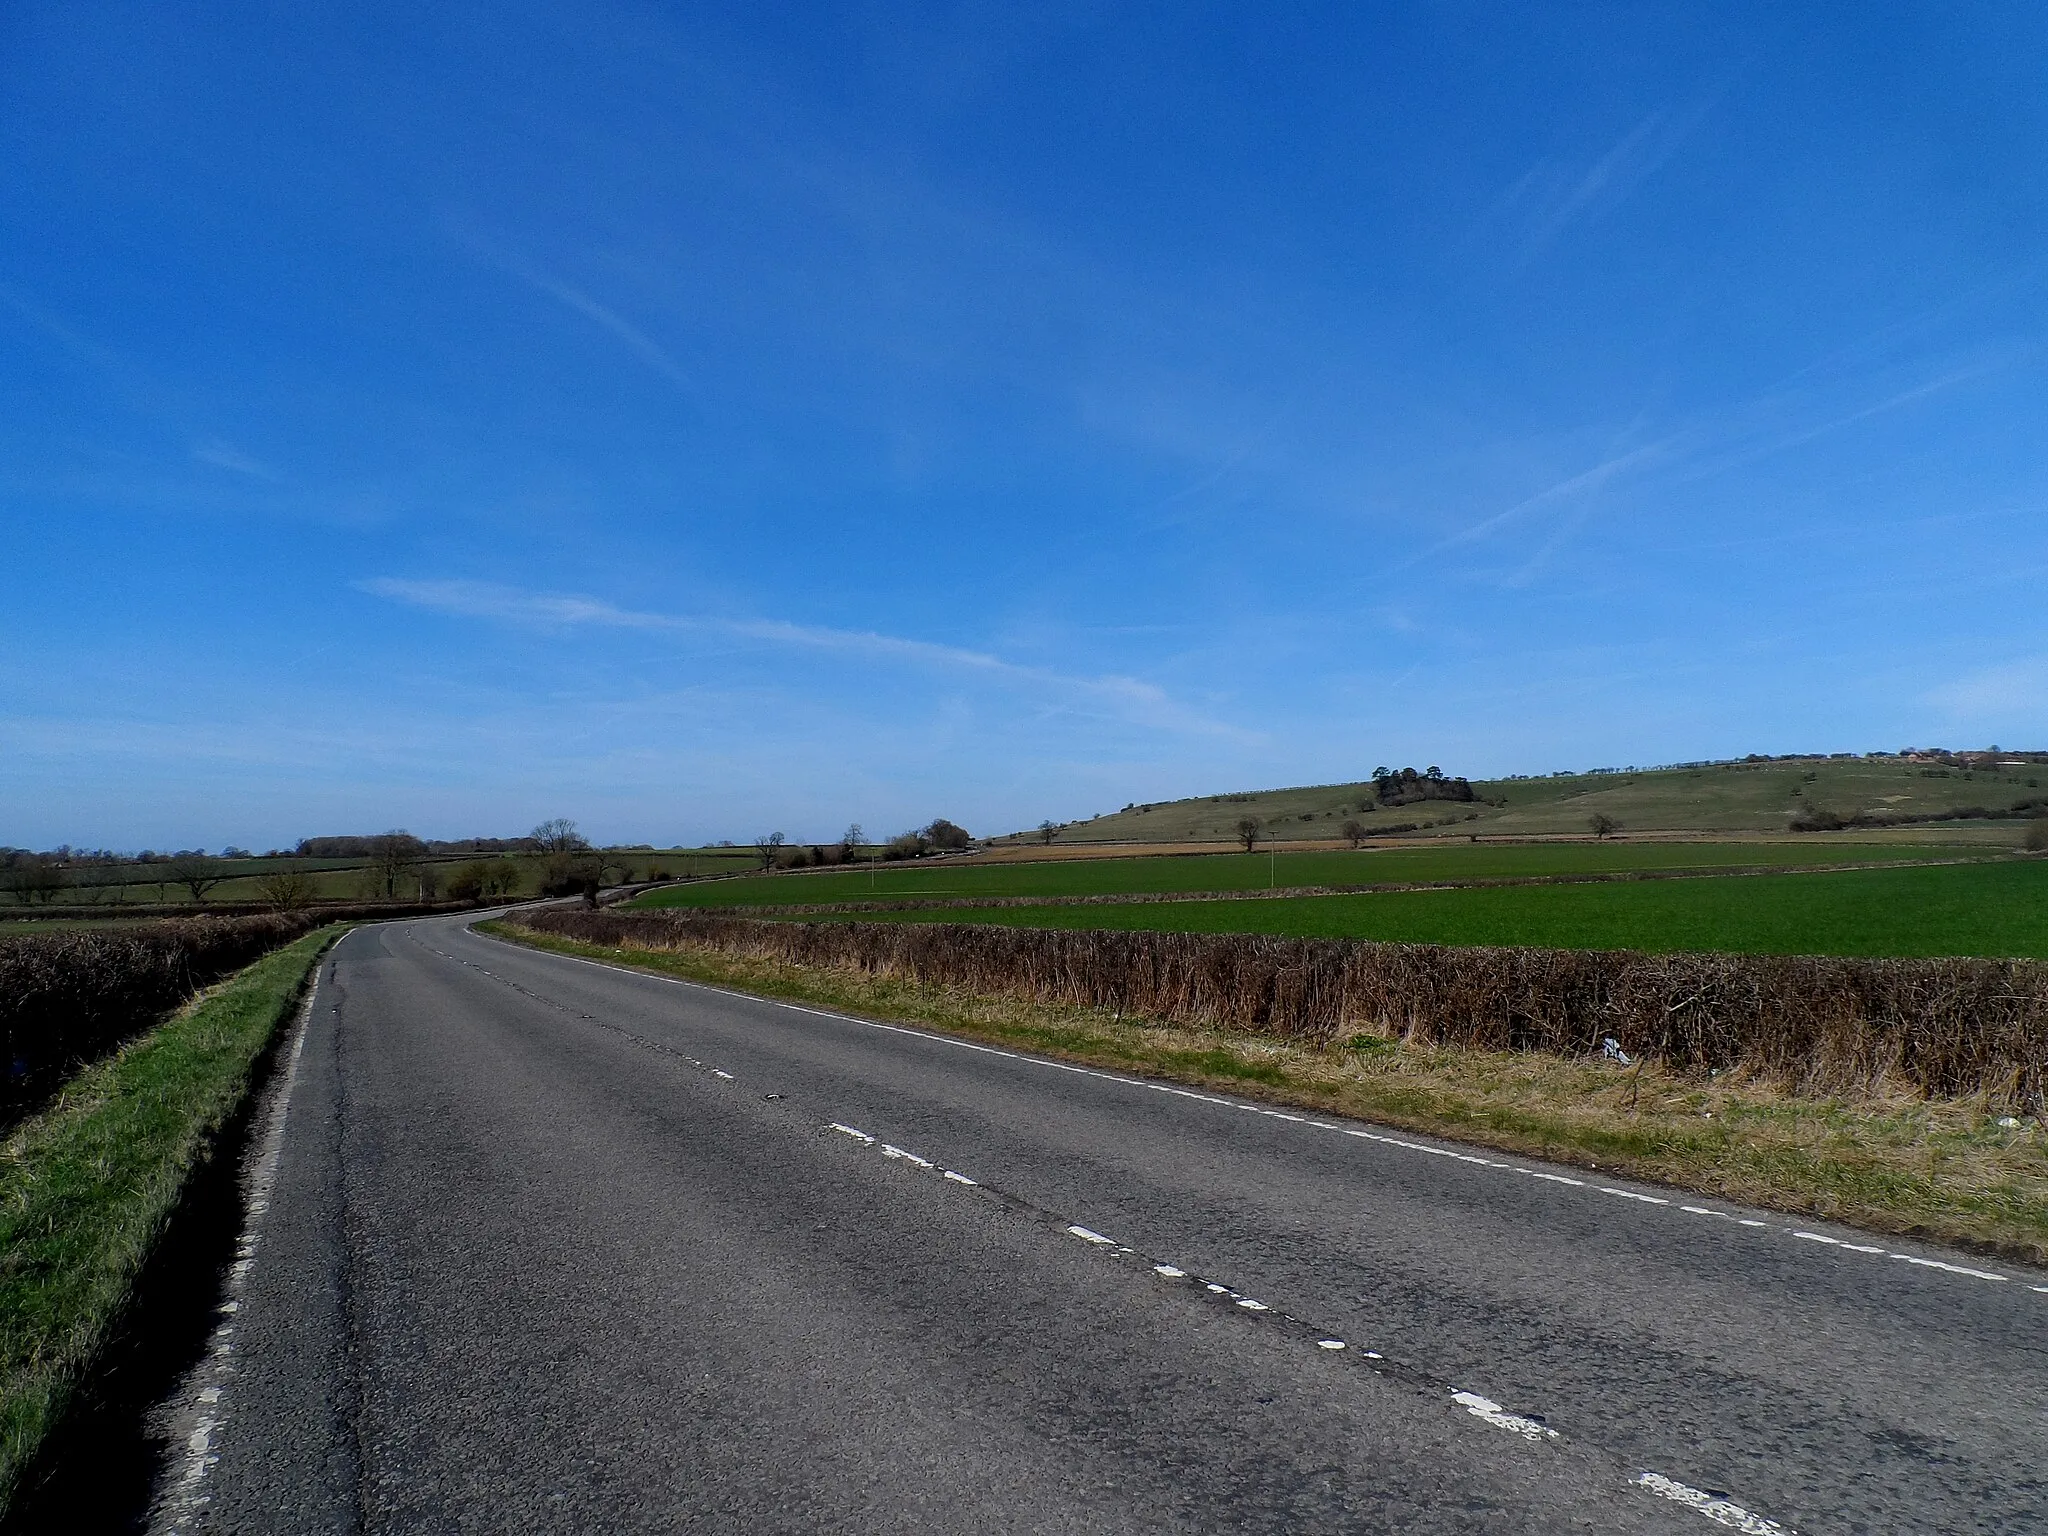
[286,889]
[850,842]
[768,848]
[1603,825]
[33,878]
[559,836]
[1248,830]
[1354,832]
[1047,831]
[197,873]
[394,861]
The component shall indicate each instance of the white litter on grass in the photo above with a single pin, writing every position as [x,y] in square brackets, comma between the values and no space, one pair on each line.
[1717,1509]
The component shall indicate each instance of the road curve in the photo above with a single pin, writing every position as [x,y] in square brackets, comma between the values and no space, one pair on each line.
[544,1245]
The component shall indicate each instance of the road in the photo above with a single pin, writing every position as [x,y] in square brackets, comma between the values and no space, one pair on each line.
[545,1245]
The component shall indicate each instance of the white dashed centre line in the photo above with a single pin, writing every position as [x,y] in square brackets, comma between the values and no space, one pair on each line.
[1381,1138]
[1487,1409]
[1716,1508]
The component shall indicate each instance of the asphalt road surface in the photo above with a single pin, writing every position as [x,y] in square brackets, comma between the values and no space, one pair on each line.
[543,1245]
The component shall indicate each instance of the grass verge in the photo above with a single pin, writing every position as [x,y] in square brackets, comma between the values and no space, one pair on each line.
[1942,1170]
[88,1186]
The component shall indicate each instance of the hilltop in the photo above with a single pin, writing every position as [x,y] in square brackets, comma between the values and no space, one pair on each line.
[1898,791]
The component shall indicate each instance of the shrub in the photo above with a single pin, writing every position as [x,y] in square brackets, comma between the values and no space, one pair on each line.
[2037,835]
[286,890]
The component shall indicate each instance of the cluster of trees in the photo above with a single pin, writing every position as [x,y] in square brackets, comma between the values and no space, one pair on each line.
[31,877]
[1406,787]
[775,851]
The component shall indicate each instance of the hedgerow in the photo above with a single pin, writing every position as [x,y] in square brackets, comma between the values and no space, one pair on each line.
[1948,1028]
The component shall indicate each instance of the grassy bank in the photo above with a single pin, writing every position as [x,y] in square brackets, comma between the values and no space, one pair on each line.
[1997,910]
[87,1186]
[1895,1164]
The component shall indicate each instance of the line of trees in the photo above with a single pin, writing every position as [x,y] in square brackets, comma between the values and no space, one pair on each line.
[775,851]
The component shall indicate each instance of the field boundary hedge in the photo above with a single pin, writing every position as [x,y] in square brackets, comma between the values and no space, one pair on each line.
[1948,1028]
[68,998]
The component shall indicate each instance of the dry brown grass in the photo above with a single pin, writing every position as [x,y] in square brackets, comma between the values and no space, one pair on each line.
[1884,1160]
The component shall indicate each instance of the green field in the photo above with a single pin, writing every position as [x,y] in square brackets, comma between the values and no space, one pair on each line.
[1998,909]
[961,880]
[1722,797]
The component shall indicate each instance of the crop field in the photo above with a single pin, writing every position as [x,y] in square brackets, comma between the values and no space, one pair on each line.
[960,880]
[1997,910]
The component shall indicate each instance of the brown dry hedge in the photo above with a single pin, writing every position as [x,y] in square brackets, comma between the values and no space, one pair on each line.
[1949,1028]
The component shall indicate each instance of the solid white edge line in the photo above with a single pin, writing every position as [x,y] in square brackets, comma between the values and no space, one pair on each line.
[1204,1098]
[183,1497]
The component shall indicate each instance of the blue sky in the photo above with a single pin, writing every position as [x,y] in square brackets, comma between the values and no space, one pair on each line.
[698,421]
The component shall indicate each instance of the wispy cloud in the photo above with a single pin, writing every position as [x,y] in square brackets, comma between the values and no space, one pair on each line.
[1551,196]
[225,456]
[2016,691]
[635,340]
[1132,700]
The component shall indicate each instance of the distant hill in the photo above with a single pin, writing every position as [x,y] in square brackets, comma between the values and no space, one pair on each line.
[1932,788]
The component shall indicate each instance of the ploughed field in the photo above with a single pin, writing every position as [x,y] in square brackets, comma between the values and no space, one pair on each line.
[1708,896]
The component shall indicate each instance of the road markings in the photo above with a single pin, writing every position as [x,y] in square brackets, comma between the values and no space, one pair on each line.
[1208,1098]
[1526,1427]
[185,1496]
[1715,1507]
[1492,1413]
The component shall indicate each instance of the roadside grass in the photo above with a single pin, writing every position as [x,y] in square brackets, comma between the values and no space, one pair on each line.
[1898,1164]
[88,1186]
[1226,872]
[1997,910]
